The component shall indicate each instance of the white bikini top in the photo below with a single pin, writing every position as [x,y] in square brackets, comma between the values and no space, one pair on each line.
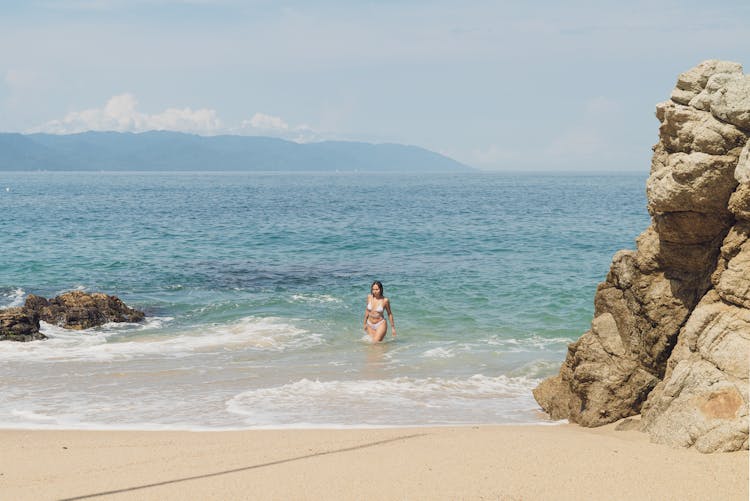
[379,309]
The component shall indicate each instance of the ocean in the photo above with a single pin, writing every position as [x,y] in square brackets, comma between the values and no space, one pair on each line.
[254,286]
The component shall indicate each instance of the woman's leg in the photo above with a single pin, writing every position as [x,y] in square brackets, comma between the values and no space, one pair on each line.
[380,332]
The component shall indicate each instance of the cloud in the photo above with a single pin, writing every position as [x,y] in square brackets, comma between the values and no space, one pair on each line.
[269,125]
[120,114]
[266,122]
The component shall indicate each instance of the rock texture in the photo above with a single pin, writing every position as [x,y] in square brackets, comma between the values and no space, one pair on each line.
[671,331]
[17,324]
[81,310]
[72,310]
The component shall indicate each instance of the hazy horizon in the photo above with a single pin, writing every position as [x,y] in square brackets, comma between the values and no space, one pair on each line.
[493,85]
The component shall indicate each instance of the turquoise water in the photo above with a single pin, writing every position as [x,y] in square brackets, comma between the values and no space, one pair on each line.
[255,284]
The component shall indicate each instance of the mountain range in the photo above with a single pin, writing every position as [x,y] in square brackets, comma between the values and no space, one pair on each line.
[175,151]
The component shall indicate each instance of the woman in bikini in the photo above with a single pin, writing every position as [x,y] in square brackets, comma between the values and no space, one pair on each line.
[375,325]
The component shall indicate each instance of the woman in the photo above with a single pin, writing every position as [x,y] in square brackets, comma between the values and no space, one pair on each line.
[375,325]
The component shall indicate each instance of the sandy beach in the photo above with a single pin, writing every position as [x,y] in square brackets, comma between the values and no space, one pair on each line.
[475,462]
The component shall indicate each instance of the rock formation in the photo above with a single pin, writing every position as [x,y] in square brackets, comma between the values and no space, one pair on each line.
[17,324]
[81,310]
[671,331]
[72,310]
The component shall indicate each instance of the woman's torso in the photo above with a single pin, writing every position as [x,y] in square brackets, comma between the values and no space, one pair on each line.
[375,306]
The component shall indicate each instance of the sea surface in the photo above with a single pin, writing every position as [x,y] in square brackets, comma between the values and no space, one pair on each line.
[255,284]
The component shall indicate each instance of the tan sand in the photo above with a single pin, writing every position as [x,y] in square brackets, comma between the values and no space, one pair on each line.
[484,462]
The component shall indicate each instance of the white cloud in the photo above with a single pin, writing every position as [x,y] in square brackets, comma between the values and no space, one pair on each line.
[266,122]
[185,119]
[120,114]
[269,125]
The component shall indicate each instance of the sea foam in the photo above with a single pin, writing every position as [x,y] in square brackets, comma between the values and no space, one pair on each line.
[12,298]
[398,401]
[156,338]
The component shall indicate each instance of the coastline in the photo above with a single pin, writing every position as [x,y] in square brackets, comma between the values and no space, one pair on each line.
[502,462]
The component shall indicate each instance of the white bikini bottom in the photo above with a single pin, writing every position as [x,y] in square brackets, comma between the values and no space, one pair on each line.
[376,324]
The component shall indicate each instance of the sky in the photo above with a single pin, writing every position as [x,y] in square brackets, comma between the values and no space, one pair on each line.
[497,85]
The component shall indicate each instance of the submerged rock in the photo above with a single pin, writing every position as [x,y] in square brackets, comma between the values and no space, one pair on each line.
[671,331]
[81,310]
[18,324]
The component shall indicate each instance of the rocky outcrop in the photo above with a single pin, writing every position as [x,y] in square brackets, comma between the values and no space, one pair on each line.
[671,331]
[81,310]
[703,400]
[72,310]
[18,324]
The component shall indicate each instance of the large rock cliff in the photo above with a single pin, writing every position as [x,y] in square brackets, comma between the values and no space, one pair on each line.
[670,336]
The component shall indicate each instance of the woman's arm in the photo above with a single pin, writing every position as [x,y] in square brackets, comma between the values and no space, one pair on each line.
[390,317]
[367,313]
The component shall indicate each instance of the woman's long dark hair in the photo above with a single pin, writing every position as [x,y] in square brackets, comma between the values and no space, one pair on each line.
[379,284]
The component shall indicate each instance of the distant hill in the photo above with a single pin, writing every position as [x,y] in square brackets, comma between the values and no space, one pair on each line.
[173,151]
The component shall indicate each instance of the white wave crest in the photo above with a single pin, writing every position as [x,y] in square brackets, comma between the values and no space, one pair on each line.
[12,298]
[439,352]
[533,342]
[538,369]
[30,416]
[315,298]
[148,324]
[400,401]
[125,341]
[78,287]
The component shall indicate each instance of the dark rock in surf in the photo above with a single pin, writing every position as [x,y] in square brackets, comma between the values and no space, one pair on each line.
[19,324]
[80,310]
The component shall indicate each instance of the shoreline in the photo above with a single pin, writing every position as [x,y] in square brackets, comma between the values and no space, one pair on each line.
[5,427]
[448,462]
